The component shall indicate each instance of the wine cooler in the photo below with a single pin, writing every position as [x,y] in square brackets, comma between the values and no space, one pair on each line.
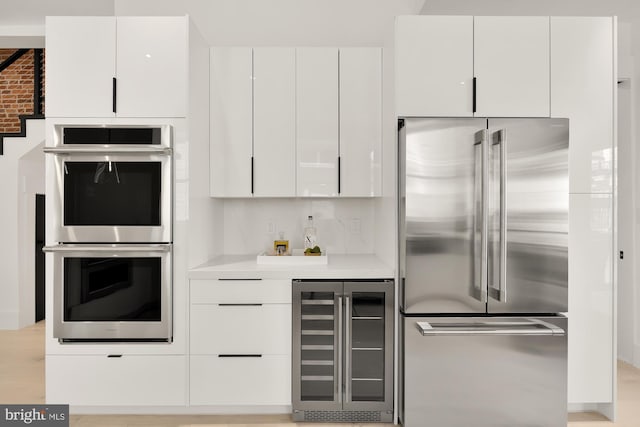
[342,351]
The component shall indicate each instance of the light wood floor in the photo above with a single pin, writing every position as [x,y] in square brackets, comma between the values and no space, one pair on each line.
[22,382]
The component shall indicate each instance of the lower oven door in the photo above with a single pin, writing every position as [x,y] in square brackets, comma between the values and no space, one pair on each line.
[112,292]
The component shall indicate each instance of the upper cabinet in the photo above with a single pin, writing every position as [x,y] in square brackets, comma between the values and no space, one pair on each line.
[116,66]
[274,113]
[317,121]
[511,66]
[289,122]
[582,90]
[461,66]
[231,109]
[434,66]
[360,122]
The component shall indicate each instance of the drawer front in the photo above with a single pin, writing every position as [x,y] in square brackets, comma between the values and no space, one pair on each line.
[129,380]
[262,380]
[239,329]
[240,291]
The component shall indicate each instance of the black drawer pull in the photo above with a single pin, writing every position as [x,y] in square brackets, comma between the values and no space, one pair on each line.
[239,305]
[239,355]
[114,355]
[238,279]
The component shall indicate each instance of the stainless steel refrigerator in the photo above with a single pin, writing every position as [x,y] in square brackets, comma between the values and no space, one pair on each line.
[483,236]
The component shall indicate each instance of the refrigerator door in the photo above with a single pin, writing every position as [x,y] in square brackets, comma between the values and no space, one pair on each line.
[442,177]
[484,372]
[528,216]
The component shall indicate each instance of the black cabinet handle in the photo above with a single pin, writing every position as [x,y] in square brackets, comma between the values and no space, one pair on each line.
[113,94]
[474,94]
[239,305]
[339,173]
[114,356]
[239,355]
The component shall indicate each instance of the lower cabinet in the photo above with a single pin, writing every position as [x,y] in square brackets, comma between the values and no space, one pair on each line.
[240,379]
[116,380]
[240,343]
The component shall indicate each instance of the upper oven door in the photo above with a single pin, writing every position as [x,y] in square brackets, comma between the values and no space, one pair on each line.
[117,196]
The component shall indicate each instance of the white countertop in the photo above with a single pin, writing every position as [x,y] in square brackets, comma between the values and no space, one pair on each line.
[363,266]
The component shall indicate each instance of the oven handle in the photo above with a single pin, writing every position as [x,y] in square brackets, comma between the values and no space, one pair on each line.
[107,150]
[108,248]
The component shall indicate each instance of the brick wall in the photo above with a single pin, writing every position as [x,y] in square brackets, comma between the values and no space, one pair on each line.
[16,90]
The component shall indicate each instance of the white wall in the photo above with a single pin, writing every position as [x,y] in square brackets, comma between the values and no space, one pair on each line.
[22,175]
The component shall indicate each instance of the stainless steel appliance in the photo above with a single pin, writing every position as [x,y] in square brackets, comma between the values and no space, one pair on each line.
[112,214]
[483,229]
[342,351]
[112,292]
[113,184]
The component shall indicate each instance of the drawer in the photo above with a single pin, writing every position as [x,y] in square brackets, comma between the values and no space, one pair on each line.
[262,380]
[240,291]
[129,380]
[234,329]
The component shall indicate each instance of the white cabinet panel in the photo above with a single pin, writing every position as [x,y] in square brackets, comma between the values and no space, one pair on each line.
[274,116]
[237,329]
[434,66]
[240,291]
[582,85]
[151,66]
[360,121]
[80,54]
[119,381]
[252,381]
[511,65]
[317,121]
[230,122]
[590,298]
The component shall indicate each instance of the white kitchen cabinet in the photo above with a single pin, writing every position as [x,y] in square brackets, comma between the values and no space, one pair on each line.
[274,117]
[437,58]
[434,66]
[117,380]
[240,342]
[246,381]
[511,66]
[582,89]
[317,121]
[151,65]
[116,66]
[591,331]
[80,58]
[231,109]
[360,122]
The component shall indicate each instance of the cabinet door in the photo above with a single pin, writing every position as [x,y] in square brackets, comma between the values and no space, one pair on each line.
[434,66]
[317,121]
[231,149]
[360,122]
[274,116]
[317,345]
[80,57]
[151,66]
[511,65]
[582,90]
[591,327]
[368,355]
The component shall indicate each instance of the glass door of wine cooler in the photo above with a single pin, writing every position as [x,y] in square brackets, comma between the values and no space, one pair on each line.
[368,353]
[317,345]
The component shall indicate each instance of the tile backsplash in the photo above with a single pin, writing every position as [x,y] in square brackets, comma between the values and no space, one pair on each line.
[342,225]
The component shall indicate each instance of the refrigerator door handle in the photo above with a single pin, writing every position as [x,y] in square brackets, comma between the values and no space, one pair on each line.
[480,224]
[525,327]
[500,292]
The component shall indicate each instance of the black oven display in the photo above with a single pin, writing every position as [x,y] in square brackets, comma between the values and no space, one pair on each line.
[112,289]
[112,193]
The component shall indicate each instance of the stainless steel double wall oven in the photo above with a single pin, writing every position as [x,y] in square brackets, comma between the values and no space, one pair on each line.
[112,222]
